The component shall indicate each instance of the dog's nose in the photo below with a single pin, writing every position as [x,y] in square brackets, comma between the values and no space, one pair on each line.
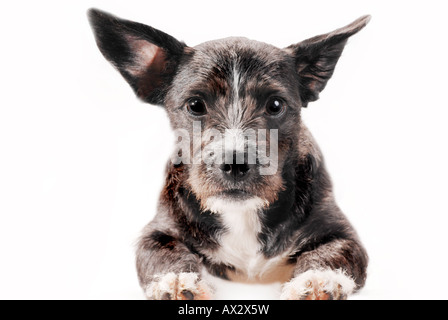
[235,170]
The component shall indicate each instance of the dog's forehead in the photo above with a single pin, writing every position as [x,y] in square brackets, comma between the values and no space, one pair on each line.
[217,65]
[238,54]
[234,47]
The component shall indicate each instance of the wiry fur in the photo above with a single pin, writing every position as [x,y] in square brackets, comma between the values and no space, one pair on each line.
[282,227]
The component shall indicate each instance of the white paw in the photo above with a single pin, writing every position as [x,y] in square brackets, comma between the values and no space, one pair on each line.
[319,285]
[182,286]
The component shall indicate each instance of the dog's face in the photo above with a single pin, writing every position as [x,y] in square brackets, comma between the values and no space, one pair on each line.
[234,90]
[235,87]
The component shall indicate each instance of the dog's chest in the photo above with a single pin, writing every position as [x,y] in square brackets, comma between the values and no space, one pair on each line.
[239,244]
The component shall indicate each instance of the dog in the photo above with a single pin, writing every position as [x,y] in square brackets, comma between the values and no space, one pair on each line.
[223,217]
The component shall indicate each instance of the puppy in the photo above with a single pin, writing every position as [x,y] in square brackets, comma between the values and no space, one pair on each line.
[224,210]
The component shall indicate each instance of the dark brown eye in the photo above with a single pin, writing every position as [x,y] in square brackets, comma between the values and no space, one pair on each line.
[196,107]
[275,107]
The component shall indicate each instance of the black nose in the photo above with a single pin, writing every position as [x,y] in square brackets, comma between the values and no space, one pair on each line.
[235,170]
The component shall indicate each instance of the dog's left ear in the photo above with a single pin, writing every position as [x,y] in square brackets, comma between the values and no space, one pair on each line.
[316,58]
[146,57]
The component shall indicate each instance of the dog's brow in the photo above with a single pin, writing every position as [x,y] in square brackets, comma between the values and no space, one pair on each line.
[262,92]
[210,86]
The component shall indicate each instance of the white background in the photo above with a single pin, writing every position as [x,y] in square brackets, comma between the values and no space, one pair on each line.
[82,160]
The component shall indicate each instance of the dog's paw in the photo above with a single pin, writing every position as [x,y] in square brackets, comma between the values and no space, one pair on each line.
[319,285]
[182,286]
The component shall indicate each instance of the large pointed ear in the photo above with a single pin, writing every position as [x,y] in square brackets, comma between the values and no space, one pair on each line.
[147,58]
[316,58]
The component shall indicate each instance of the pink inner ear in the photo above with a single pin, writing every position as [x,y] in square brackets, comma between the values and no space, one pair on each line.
[145,54]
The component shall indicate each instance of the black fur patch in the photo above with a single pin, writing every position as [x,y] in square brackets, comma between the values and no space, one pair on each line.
[200,228]
[164,240]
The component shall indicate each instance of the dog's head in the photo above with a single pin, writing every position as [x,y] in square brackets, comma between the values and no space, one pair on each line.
[228,99]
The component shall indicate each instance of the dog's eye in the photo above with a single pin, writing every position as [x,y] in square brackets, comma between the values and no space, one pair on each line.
[275,107]
[196,107]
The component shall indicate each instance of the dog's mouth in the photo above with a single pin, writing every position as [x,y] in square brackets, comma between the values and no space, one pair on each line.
[235,192]
[239,194]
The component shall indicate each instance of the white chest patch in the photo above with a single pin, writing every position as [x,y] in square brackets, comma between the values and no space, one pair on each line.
[240,246]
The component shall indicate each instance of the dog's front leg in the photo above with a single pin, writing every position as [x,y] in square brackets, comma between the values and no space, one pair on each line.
[332,271]
[167,269]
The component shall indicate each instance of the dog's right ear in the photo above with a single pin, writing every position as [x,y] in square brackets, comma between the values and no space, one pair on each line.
[146,57]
